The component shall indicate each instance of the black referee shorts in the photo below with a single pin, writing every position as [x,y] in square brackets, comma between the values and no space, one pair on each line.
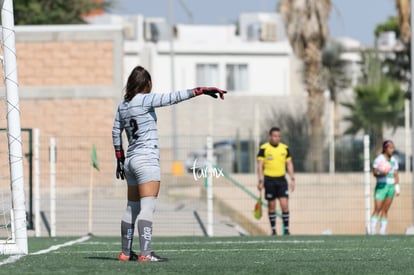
[276,187]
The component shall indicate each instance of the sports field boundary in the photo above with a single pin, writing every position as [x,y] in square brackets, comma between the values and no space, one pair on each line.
[14,258]
[56,247]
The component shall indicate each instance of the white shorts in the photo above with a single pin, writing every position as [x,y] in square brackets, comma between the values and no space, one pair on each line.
[142,169]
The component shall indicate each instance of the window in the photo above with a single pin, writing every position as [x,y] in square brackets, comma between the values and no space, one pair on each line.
[207,75]
[237,77]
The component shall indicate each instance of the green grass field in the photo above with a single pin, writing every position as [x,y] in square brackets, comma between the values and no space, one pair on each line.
[221,255]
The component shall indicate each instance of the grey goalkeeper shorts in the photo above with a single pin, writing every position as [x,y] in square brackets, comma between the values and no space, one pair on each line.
[142,169]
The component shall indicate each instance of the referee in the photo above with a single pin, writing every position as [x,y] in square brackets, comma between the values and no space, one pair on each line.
[272,160]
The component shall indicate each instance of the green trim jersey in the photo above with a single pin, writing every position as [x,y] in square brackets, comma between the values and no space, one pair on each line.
[389,178]
[274,159]
[137,117]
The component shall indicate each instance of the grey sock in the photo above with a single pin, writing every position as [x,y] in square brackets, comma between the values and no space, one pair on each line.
[145,236]
[145,219]
[127,232]
[128,225]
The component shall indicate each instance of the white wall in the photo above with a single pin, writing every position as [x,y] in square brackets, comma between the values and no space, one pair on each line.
[272,83]
[269,68]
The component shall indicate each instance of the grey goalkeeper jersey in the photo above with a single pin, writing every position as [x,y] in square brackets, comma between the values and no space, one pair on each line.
[137,117]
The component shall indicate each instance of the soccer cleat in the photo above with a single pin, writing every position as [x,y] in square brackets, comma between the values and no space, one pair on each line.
[274,232]
[151,258]
[124,258]
[286,233]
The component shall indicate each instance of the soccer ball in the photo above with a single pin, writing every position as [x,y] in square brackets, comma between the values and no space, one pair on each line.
[384,167]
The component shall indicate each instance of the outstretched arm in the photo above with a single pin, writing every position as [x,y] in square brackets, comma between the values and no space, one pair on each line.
[165,99]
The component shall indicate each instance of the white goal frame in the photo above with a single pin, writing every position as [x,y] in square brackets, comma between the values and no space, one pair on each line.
[18,242]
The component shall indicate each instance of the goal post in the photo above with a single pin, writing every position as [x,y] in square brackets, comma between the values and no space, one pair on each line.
[16,243]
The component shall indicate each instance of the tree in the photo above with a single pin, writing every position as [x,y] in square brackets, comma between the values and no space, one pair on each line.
[376,106]
[400,67]
[396,62]
[335,75]
[307,28]
[379,102]
[404,13]
[391,25]
[397,66]
[44,12]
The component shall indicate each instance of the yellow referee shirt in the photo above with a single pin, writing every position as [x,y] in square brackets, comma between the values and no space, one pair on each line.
[274,159]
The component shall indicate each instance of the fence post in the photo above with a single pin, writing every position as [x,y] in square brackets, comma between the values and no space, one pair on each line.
[367,185]
[52,187]
[209,175]
[36,139]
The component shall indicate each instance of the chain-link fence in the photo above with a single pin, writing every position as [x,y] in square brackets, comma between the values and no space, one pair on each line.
[323,202]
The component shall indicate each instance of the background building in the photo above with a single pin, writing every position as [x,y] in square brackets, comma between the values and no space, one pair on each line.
[71,79]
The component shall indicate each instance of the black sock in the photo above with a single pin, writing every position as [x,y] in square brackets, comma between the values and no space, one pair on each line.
[285,218]
[272,219]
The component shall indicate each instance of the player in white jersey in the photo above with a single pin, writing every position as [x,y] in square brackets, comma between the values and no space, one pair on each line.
[386,188]
[141,165]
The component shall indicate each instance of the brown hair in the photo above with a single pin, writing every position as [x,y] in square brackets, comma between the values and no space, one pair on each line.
[385,144]
[138,81]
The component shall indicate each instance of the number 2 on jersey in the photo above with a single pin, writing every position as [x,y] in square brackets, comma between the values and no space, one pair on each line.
[134,125]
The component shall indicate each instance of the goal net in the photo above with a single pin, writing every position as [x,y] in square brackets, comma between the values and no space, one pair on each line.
[13,225]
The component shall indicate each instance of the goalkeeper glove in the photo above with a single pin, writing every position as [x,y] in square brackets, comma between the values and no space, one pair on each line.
[211,91]
[120,159]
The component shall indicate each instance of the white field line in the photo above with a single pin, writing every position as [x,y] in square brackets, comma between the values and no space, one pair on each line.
[56,247]
[11,259]
[15,258]
[218,242]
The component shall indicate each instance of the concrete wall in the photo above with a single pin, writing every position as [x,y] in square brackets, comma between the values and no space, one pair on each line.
[70,79]
[321,204]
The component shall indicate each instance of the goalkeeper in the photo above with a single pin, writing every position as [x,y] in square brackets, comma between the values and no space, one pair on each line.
[141,164]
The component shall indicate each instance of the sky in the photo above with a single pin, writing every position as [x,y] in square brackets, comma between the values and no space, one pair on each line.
[349,18]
